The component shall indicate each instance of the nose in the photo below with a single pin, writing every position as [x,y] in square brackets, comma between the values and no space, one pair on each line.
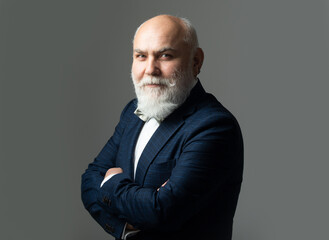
[152,68]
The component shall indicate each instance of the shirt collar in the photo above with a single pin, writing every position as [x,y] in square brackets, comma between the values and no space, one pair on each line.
[144,118]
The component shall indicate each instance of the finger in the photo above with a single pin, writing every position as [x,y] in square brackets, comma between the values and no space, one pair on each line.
[164,183]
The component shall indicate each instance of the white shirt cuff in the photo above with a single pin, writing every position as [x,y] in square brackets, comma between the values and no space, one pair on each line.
[127,233]
[107,178]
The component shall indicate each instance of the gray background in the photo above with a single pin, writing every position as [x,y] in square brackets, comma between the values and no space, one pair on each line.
[65,77]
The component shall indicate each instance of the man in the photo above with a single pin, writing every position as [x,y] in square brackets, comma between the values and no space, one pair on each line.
[173,167]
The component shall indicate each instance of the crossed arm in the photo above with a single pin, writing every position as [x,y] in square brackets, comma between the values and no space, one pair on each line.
[203,167]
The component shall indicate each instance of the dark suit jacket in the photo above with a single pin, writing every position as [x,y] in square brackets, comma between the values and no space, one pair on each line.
[198,148]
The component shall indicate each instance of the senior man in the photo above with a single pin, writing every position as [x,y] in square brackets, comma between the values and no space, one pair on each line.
[173,167]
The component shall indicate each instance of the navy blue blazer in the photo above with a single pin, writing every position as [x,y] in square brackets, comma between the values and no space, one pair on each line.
[198,148]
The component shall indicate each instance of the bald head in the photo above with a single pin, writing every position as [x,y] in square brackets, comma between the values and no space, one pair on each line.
[181,25]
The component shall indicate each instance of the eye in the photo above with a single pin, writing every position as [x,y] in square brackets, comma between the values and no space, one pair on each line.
[140,56]
[166,56]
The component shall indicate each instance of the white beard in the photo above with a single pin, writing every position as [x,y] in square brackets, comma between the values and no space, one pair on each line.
[160,102]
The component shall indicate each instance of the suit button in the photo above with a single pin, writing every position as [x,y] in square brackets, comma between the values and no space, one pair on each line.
[109,228]
[106,200]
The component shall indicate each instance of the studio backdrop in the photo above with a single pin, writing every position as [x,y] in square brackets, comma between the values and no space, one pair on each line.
[65,77]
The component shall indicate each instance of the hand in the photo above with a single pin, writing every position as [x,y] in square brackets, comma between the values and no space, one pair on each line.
[130,227]
[163,185]
[115,170]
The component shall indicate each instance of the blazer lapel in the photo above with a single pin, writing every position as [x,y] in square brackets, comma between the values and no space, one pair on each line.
[129,141]
[166,129]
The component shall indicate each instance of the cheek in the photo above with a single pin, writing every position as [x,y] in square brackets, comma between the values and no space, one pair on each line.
[137,71]
[169,69]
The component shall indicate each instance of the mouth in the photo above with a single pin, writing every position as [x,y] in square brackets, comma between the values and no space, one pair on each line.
[153,85]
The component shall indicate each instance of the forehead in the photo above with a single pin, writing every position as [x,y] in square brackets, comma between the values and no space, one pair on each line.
[160,34]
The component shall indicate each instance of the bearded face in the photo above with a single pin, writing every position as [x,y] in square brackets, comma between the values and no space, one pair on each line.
[158,97]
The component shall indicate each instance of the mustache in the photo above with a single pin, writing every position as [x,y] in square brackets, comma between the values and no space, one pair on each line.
[156,80]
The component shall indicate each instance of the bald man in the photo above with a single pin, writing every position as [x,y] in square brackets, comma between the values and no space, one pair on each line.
[173,167]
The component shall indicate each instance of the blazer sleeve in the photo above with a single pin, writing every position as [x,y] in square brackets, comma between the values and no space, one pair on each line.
[207,163]
[94,175]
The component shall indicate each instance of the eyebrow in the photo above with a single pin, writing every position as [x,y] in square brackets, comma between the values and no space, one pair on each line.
[165,49]
[138,50]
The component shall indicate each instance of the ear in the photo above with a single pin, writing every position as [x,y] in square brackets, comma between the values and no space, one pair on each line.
[197,61]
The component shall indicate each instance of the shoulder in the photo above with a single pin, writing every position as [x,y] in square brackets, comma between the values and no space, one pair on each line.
[206,109]
[209,111]
[127,113]
[211,121]
[129,108]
